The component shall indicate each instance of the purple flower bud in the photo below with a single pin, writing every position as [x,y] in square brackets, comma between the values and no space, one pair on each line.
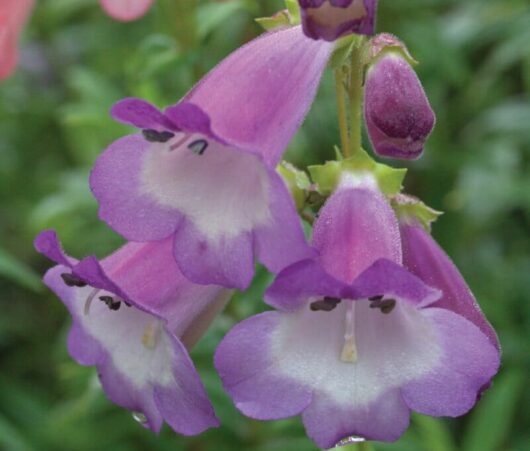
[332,19]
[398,115]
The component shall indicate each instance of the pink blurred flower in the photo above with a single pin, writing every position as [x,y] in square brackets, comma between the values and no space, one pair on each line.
[13,16]
[126,10]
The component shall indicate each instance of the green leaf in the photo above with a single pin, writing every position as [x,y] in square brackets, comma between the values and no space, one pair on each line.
[18,272]
[212,15]
[492,419]
[433,433]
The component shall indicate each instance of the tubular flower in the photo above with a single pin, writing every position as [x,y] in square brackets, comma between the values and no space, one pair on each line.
[13,16]
[203,170]
[332,19]
[399,118]
[426,259]
[357,341]
[134,316]
[126,10]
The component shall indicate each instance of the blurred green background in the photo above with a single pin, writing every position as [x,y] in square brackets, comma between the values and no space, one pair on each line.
[54,121]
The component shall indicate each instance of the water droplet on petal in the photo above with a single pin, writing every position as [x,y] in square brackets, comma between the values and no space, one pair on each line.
[139,417]
[349,440]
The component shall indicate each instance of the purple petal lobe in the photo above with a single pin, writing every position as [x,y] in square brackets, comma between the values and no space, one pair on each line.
[424,257]
[48,245]
[468,363]
[140,114]
[332,19]
[190,118]
[387,278]
[282,241]
[259,95]
[398,115]
[355,228]
[245,364]
[227,262]
[116,184]
[328,423]
[301,281]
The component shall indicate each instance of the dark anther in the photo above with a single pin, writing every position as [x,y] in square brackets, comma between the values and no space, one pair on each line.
[198,147]
[72,281]
[127,304]
[386,305]
[326,305]
[154,136]
[110,302]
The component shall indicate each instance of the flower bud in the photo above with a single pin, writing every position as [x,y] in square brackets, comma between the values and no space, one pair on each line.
[398,115]
[332,19]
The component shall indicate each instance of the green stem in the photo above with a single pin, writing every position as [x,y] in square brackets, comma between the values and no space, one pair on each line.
[355,94]
[341,107]
[365,446]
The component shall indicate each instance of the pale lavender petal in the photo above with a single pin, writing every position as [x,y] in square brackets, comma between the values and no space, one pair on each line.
[468,363]
[355,228]
[259,95]
[229,262]
[246,367]
[282,242]
[296,284]
[384,420]
[140,114]
[425,258]
[115,182]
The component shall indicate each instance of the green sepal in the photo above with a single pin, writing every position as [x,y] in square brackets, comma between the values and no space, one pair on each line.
[297,181]
[294,11]
[285,18]
[327,176]
[342,51]
[411,209]
[280,19]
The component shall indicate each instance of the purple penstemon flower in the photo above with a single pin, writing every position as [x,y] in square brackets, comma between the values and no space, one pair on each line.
[398,116]
[203,171]
[426,259]
[357,341]
[134,317]
[332,19]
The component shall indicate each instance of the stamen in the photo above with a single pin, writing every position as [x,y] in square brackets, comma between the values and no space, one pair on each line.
[154,136]
[89,299]
[327,304]
[181,141]
[349,349]
[111,303]
[199,146]
[72,281]
[386,305]
[151,334]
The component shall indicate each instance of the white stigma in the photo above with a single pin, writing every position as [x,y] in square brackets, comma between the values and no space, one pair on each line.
[89,299]
[349,349]
[151,334]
